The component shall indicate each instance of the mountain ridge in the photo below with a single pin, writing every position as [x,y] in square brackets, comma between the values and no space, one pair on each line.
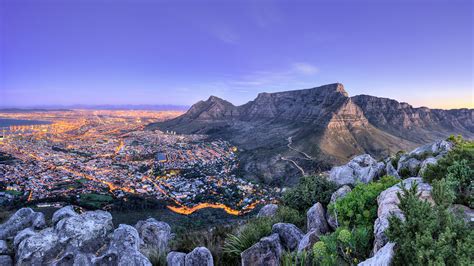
[324,122]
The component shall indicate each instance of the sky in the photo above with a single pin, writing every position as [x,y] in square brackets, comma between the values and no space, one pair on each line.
[179,52]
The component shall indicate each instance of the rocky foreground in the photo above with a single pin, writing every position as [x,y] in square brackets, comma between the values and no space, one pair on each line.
[90,238]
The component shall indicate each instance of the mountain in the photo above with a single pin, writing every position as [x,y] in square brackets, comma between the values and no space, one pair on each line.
[286,134]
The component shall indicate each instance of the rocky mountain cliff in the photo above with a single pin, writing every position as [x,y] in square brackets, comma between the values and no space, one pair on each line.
[286,134]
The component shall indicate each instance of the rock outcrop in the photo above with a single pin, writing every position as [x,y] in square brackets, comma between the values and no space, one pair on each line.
[23,218]
[200,256]
[6,260]
[268,210]
[383,257]
[338,194]
[155,235]
[308,240]
[175,258]
[265,252]
[388,205]
[362,168]
[316,219]
[88,238]
[290,235]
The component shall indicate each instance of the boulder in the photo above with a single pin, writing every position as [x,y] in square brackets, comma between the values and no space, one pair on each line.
[316,219]
[388,205]
[390,170]
[383,257]
[200,256]
[38,249]
[266,252]
[22,219]
[175,258]
[22,235]
[74,258]
[6,260]
[123,249]
[87,231]
[440,147]
[155,235]
[362,168]
[268,210]
[62,213]
[408,166]
[3,247]
[290,235]
[308,240]
[338,194]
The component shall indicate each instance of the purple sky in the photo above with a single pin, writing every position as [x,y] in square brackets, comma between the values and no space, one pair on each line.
[179,52]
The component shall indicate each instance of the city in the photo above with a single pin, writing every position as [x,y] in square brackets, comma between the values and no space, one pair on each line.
[100,155]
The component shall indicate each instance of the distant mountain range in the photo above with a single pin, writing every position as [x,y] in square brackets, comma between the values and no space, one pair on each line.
[286,134]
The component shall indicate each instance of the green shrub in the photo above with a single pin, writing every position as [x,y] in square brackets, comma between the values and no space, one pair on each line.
[458,166]
[396,158]
[308,191]
[157,258]
[286,214]
[430,235]
[359,207]
[301,258]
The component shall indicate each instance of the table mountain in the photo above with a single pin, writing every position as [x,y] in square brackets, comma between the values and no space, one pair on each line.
[286,134]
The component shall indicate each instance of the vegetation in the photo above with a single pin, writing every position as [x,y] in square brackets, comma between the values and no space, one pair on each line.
[310,189]
[302,258]
[95,201]
[257,228]
[157,258]
[430,235]
[458,167]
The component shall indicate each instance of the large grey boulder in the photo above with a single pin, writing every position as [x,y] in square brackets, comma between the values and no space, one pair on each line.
[200,256]
[316,219]
[383,257]
[6,260]
[463,212]
[87,231]
[155,235]
[308,240]
[362,168]
[338,194]
[39,248]
[390,170]
[266,252]
[424,165]
[408,166]
[74,258]
[290,235]
[268,210]
[388,205]
[20,220]
[123,249]
[62,213]
[22,235]
[3,247]
[440,147]
[175,258]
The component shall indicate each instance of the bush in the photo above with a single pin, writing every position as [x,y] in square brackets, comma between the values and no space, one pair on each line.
[157,258]
[301,258]
[257,228]
[359,207]
[458,166]
[308,191]
[430,235]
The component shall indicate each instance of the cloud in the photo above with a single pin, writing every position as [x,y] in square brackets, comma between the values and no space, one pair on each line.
[305,68]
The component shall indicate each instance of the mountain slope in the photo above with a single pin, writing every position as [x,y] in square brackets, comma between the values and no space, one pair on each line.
[286,134]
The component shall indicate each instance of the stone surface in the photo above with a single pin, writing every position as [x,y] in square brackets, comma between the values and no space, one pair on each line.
[424,165]
[290,235]
[308,240]
[464,212]
[388,205]
[23,234]
[362,168]
[6,260]
[390,170]
[200,256]
[39,248]
[268,210]
[266,252]
[338,194]
[383,257]
[20,220]
[175,258]
[87,231]
[62,213]
[3,247]
[316,219]
[154,234]
[408,165]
